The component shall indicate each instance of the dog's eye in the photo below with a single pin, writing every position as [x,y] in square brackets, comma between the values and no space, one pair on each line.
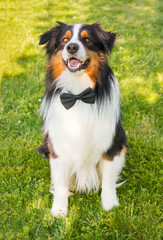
[87,40]
[65,39]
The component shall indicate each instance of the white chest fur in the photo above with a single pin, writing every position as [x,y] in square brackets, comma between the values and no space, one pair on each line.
[83,133]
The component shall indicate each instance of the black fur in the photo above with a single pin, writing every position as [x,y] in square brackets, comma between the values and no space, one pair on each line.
[102,88]
[102,40]
[119,142]
[46,148]
[43,149]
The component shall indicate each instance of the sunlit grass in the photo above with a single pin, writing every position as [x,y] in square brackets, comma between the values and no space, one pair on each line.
[136,61]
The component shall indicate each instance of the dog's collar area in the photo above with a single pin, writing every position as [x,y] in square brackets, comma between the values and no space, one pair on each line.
[69,99]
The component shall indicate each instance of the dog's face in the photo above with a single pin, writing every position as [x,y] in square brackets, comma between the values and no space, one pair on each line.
[77,48]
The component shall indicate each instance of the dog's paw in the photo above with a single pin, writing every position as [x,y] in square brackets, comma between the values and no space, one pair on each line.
[58,211]
[109,200]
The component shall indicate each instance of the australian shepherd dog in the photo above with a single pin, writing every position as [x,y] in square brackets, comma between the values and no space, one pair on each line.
[83,136]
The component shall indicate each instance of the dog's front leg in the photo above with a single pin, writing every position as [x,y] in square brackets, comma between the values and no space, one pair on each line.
[59,186]
[110,170]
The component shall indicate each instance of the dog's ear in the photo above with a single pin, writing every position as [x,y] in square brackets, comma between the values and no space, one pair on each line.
[50,38]
[107,38]
[46,37]
[61,24]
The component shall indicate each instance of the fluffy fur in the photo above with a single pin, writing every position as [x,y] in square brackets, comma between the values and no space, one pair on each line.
[86,144]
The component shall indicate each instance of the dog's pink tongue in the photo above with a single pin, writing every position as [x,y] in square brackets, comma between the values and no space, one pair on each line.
[74,63]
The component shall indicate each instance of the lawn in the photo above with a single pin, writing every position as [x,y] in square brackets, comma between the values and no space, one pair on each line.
[25,200]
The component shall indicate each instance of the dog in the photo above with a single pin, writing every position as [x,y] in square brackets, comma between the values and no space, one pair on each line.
[83,135]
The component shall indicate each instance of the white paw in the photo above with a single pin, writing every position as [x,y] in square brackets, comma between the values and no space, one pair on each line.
[58,211]
[109,200]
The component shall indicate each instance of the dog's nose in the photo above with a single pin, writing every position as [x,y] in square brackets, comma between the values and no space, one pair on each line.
[72,48]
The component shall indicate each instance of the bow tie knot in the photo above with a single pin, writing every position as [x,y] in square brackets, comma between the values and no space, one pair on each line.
[69,99]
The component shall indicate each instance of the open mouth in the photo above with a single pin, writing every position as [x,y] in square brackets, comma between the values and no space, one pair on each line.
[74,64]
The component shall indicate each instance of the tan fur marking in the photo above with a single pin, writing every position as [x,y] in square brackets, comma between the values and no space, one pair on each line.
[124,149]
[56,64]
[93,68]
[50,156]
[84,34]
[68,35]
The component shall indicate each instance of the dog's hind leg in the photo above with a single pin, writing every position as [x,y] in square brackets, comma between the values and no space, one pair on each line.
[109,171]
[59,186]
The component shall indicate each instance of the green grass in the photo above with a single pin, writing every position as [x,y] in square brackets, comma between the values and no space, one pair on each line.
[136,60]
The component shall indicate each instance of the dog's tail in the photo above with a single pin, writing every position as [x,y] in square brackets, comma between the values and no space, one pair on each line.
[120,184]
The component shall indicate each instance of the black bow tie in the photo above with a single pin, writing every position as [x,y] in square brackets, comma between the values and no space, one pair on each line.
[69,99]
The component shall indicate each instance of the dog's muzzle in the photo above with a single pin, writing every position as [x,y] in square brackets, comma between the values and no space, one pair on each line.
[74,62]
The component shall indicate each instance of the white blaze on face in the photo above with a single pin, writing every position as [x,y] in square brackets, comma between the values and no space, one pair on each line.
[81,53]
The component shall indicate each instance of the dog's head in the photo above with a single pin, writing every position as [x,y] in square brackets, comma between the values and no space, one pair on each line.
[77,48]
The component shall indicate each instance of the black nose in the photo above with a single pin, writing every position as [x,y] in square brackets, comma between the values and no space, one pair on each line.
[72,48]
